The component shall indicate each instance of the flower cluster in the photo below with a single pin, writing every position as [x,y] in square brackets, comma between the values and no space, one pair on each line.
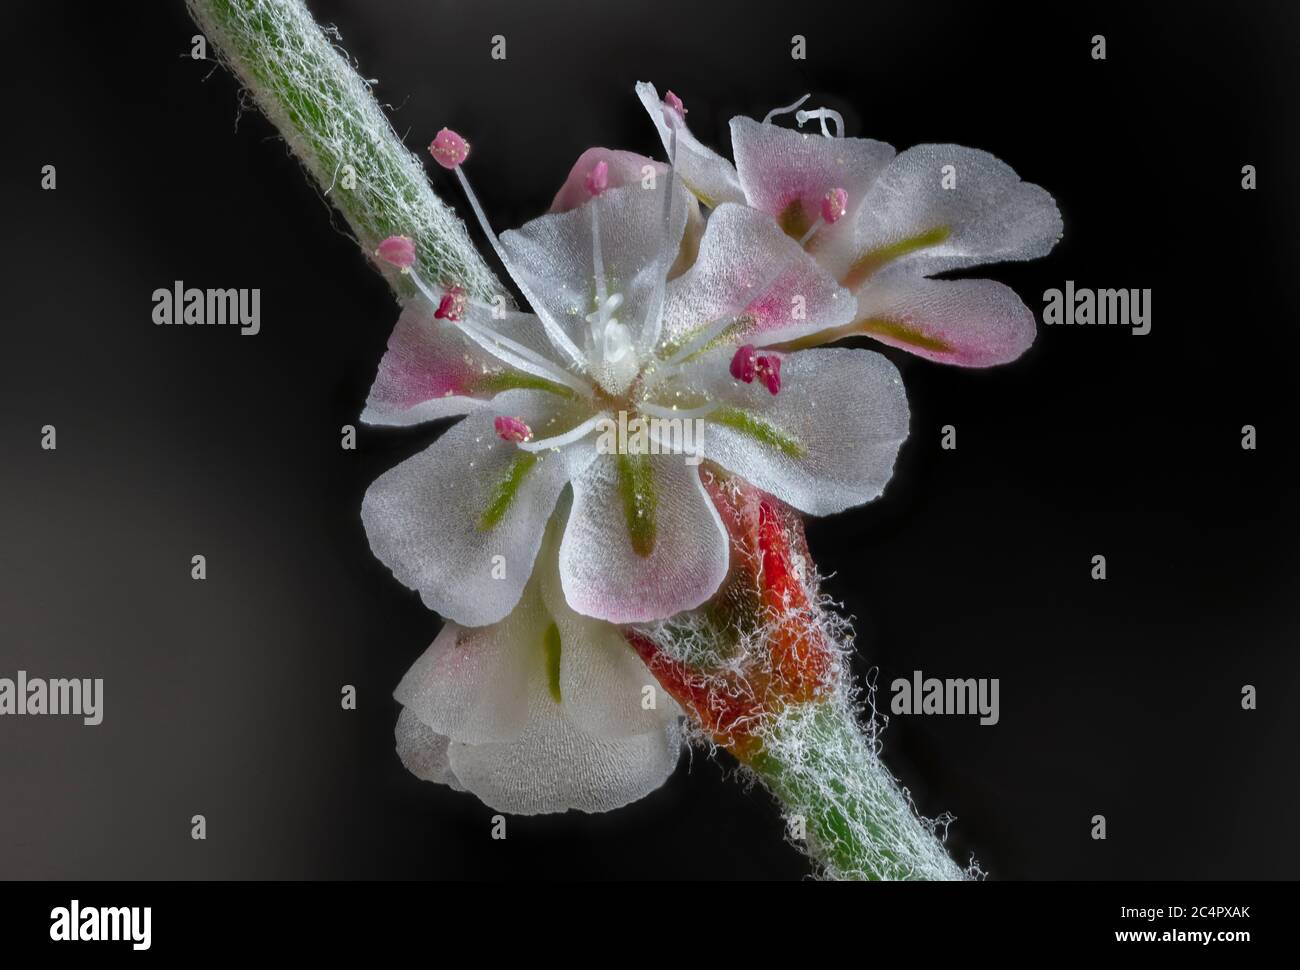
[694,290]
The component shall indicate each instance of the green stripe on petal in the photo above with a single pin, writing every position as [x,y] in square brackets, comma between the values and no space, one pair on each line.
[895,330]
[506,490]
[513,380]
[874,259]
[551,644]
[640,500]
[760,430]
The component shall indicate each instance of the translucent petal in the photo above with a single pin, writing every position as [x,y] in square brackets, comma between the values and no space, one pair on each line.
[971,323]
[707,174]
[826,442]
[440,519]
[641,545]
[553,255]
[750,272]
[432,369]
[988,214]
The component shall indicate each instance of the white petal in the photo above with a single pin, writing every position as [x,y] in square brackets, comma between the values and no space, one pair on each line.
[553,255]
[706,173]
[472,684]
[826,442]
[988,216]
[683,556]
[424,751]
[555,766]
[602,681]
[428,519]
[749,269]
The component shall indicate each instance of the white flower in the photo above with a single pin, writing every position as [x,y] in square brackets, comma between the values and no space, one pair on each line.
[616,330]
[882,224]
[545,711]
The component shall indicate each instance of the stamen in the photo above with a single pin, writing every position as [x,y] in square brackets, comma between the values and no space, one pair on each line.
[568,437]
[743,367]
[652,326]
[769,372]
[767,118]
[659,411]
[398,251]
[449,149]
[812,231]
[512,429]
[674,102]
[503,348]
[834,204]
[597,180]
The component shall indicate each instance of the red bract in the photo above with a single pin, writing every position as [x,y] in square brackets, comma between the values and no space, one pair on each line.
[789,659]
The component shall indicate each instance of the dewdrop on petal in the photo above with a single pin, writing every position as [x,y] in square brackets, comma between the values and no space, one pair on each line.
[449,149]
[398,251]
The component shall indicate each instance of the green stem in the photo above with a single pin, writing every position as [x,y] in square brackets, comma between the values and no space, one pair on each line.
[326,113]
[858,824]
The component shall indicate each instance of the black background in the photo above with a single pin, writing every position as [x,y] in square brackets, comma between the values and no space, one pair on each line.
[1119,697]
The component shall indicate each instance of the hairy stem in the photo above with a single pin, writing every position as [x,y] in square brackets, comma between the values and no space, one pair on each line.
[327,114]
[856,823]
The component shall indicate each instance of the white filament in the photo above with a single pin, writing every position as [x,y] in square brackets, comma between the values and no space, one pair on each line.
[554,331]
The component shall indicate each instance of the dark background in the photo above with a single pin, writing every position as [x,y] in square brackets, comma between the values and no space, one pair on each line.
[222,697]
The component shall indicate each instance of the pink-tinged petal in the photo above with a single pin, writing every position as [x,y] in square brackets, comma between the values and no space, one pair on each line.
[449,149]
[447,520]
[788,174]
[621,168]
[674,103]
[432,369]
[643,541]
[943,207]
[970,323]
[398,251]
[706,173]
[751,272]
